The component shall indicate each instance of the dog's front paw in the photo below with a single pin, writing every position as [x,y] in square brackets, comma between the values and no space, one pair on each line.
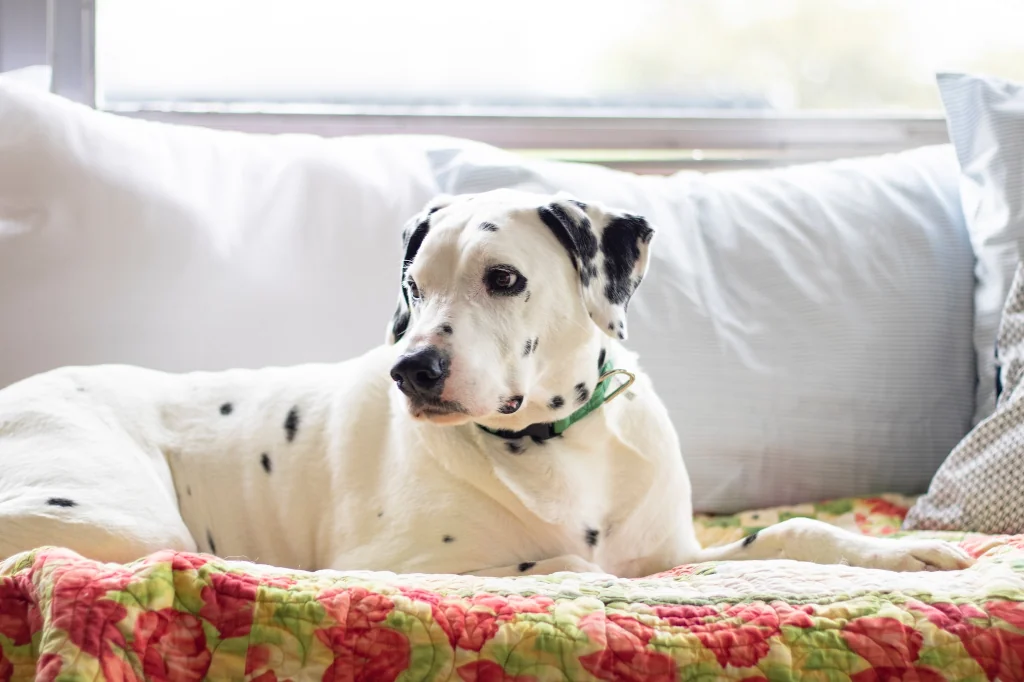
[914,555]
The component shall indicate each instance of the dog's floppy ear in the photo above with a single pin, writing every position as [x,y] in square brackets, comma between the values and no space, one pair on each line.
[413,234]
[610,251]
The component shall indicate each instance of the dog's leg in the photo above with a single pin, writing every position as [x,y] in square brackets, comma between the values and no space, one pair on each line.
[803,539]
[566,562]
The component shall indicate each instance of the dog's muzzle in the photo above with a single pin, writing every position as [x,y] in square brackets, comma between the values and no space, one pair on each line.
[421,374]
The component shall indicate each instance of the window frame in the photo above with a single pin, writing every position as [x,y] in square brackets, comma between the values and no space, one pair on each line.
[705,140]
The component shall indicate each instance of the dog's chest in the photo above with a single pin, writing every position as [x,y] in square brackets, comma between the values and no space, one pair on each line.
[564,495]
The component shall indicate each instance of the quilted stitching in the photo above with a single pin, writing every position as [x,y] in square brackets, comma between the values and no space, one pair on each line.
[175,616]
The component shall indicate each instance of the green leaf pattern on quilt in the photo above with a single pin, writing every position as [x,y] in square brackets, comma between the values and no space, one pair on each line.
[175,616]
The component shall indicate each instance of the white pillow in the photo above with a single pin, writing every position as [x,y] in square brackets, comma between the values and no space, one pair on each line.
[809,328]
[986,125]
[183,248]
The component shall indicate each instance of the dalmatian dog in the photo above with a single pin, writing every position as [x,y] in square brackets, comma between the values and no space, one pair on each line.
[503,430]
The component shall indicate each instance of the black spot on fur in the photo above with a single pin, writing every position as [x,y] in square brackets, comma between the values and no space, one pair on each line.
[622,337]
[188,490]
[556,402]
[600,360]
[226,409]
[380,514]
[535,342]
[576,238]
[527,299]
[582,392]
[620,244]
[265,462]
[291,424]
[591,537]
[528,348]
[488,227]
[447,538]
[511,405]
[447,330]
[434,210]
[61,502]
[611,326]
[513,447]
[210,542]
[749,540]
[526,566]
[579,204]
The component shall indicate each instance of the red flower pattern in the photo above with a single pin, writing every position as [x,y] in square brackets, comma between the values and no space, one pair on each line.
[489,671]
[740,635]
[364,650]
[229,602]
[15,623]
[999,651]
[881,507]
[624,655]
[891,648]
[471,623]
[171,646]
[48,667]
[81,608]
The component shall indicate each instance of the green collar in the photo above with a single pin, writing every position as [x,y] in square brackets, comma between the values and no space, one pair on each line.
[548,430]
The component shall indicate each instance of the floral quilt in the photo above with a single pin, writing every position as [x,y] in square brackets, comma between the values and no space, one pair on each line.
[175,616]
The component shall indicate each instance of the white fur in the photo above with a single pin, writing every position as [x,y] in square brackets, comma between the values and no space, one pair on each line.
[370,481]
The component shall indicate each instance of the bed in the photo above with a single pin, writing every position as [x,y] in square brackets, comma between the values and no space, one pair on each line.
[178,616]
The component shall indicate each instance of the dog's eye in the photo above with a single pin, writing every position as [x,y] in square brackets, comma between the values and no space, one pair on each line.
[504,281]
[414,291]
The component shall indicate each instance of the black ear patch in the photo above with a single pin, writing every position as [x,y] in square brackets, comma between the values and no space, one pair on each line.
[400,320]
[577,238]
[620,245]
[413,240]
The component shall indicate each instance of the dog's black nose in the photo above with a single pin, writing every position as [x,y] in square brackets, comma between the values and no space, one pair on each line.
[422,371]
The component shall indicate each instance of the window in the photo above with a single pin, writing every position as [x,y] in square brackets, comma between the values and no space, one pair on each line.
[678,80]
[639,57]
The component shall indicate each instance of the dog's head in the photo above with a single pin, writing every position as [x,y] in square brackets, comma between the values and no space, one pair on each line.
[504,298]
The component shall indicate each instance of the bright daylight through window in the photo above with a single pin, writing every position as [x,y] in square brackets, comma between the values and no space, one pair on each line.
[567,56]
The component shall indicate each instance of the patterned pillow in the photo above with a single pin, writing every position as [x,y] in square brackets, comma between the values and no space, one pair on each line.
[980,486]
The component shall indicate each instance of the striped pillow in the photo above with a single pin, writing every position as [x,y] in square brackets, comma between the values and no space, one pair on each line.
[986,124]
